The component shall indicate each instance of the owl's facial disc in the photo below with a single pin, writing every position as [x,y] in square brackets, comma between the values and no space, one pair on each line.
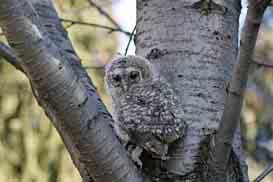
[123,78]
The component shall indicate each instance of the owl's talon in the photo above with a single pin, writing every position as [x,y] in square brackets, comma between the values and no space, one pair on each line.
[135,154]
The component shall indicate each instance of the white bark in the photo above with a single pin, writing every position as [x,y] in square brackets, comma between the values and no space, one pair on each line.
[65,92]
[195,49]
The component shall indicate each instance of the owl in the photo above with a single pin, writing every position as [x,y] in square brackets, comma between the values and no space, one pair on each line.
[144,105]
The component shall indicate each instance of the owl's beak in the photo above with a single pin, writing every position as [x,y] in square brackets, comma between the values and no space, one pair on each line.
[125,88]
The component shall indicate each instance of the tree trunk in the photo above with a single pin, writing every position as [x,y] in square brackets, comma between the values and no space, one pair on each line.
[194,44]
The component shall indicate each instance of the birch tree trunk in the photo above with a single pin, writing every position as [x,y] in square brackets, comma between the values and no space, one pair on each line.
[194,44]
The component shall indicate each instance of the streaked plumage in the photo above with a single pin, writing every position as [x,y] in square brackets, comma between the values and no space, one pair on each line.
[144,105]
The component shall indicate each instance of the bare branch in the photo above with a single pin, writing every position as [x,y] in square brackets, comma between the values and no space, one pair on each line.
[222,143]
[262,64]
[111,29]
[130,40]
[10,56]
[265,173]
[65,92]
[94,67]
[104,13]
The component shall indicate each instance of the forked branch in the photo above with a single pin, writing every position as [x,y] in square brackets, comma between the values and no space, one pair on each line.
[65,92]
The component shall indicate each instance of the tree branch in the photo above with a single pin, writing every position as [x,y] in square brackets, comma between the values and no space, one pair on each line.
[10,56]
[222,144]
[262,64]
[111,29]
[265,173]
[65,92]
[104,13]
[129,42]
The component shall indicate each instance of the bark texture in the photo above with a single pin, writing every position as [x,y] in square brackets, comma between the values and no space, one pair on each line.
[64,90]
[194,44]
[236,88]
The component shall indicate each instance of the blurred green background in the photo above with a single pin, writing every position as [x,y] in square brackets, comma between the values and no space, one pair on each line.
[32,151]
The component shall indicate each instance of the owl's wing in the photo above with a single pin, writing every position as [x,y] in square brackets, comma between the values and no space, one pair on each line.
[149,115]
[170,115]
[173,130]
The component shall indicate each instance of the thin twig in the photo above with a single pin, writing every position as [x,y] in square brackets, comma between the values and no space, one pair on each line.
[262,64]
[10,56]
[68,26]
[130,40]
[94,67]
[265,173]
[111,29]
[104,13]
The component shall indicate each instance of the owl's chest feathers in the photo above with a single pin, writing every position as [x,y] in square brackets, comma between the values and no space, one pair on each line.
[142,104]
[145,112]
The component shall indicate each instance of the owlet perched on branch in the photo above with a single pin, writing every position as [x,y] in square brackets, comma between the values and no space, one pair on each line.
[145,110]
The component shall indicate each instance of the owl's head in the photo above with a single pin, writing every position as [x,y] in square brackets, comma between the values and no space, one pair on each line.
[126,71]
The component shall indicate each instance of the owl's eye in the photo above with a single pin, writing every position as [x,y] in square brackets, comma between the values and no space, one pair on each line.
[116,78]
[134,75]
